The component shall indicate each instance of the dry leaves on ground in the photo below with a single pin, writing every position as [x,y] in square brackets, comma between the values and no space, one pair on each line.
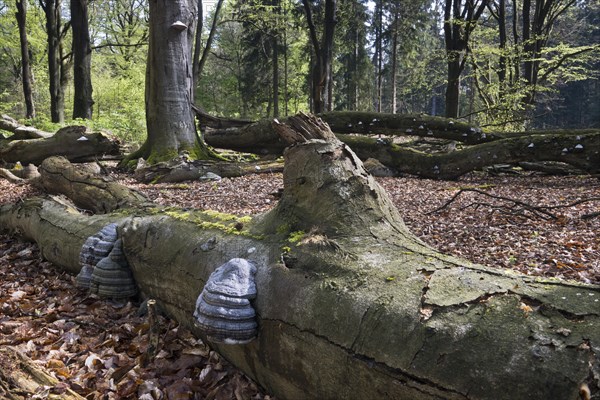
[97,348]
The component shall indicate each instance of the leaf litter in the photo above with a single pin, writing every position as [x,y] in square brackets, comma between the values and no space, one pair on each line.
[98,350]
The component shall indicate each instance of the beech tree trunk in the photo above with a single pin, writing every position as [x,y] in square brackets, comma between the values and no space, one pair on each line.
[169,84]
[27,76]
[53,29]
[82,54]
[350,304]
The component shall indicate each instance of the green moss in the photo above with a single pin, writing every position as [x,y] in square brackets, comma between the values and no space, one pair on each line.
[283,229]
[220,216]
[296,237]
[157,156]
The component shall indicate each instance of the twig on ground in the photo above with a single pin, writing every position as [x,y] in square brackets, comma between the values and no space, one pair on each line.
[537,211]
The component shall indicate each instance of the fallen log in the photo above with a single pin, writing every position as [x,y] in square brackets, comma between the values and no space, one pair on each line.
[19,131]
[179,170]
[91,192]
[579,149]
[581,152]
[350,304]
[72,142]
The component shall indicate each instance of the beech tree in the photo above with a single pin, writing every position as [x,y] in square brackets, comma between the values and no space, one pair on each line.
[169,84]
[323,53]
[82,55]
[56,69]
[27,76]
[460,19]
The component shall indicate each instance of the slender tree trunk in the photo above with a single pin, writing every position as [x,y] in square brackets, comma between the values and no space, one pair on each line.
[197,51]
[53,23]
[395,61]
[27,76]
[502,67]
[459,21]
[211,35]
[323,54]
[379,54]
[82,54]
[275,77]
[453,88]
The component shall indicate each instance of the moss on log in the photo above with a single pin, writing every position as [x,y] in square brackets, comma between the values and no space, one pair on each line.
[582,152]
[350,304]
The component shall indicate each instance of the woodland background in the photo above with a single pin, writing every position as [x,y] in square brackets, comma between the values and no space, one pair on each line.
[388,56]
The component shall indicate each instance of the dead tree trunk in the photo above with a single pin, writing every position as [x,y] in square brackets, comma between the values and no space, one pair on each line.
[350,304]
[580,149]
[72,142]
[21,131]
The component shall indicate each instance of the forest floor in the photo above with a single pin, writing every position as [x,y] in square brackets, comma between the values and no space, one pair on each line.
[547,228]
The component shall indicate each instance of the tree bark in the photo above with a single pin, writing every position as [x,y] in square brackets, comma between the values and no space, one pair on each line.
[323,53]
[53,29]
[169,81]
[351,305]
[27,76]
[82,54]
[71,142]
[89,192]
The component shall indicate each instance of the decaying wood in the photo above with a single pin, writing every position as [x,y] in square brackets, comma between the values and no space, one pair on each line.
[89,191]
[72,142]
[581,152]
[19,131]
[350,304]
[180,169]
[21,379]
[206,120]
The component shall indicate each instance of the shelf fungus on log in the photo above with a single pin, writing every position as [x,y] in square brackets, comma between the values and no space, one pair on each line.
[95,248]
[223,309]
[112,277]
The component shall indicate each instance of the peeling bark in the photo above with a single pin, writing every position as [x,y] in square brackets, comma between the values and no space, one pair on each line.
[21,379]
[350,304]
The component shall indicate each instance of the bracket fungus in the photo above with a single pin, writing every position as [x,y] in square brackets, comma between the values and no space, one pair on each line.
[112,277]
[223,309]
[95,248]
[179,26]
